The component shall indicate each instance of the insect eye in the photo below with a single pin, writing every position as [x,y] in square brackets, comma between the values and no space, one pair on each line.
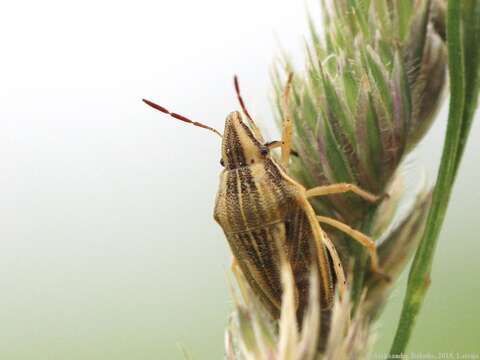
[264,150]
[222,162]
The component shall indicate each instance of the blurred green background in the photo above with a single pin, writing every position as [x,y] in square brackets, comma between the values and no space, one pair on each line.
[108,248]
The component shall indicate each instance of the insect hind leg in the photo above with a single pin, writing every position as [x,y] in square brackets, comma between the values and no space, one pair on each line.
[337,265]
[342,188]
[361,238]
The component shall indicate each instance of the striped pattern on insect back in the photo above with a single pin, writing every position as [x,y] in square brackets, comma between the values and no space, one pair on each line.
[262,212]
[248,199]
[258,257]
[255,227]
[259,211]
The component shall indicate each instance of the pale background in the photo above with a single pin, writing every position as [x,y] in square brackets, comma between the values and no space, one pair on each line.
[108,249]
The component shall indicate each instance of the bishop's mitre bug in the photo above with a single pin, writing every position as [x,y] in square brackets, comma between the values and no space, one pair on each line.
[266,215]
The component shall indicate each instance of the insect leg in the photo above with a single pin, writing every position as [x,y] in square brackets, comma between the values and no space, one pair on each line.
[342,188]
[337,264]
[286,142]
[360,237]
[273,144]
[276,144]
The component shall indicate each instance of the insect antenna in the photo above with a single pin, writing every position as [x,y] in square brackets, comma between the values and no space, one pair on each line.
[180,117]
[244,109]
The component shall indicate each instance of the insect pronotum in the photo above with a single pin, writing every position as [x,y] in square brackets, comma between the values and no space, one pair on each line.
[266,214]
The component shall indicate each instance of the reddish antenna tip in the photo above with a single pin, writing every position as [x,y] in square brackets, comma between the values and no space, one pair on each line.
[156,106]
[242,104]
[180,117]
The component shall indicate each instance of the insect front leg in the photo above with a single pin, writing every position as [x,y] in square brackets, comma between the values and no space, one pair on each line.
[342,188]
[276,144]
[361,238]
[286,142]
[287,128]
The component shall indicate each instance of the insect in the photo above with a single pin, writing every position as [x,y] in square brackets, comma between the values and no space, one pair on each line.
[265,214]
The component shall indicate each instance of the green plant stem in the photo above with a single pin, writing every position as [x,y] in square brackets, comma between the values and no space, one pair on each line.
[471,39]
[459,121]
